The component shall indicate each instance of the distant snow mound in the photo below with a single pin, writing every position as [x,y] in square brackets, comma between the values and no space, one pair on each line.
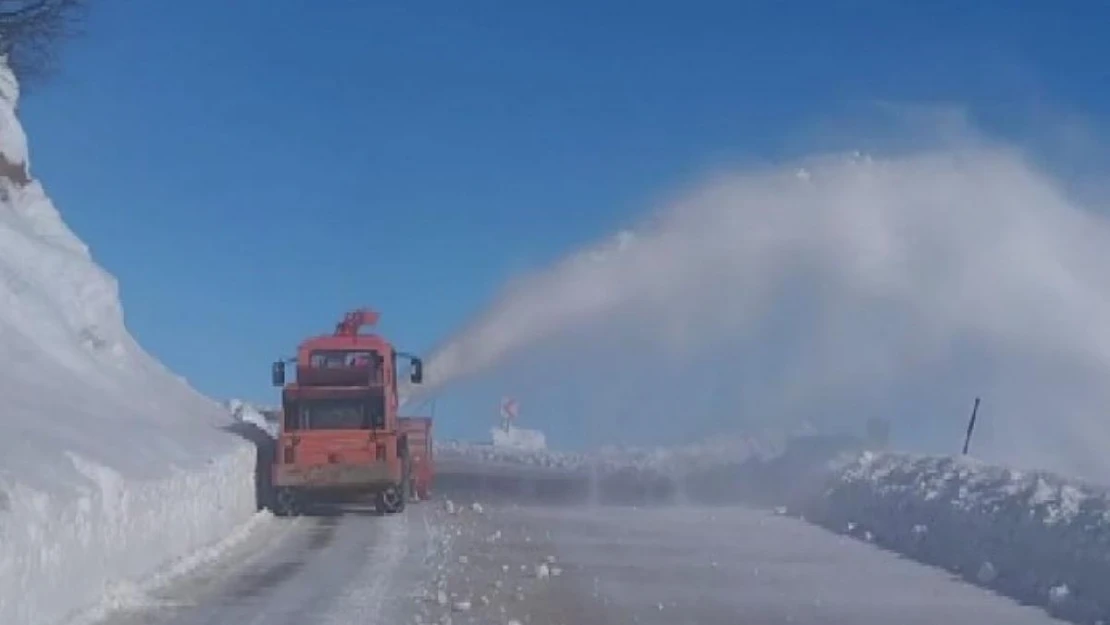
[110,465]
[671,461]
[489,453]
[518,438]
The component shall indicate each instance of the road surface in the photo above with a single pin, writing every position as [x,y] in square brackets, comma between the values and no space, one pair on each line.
[345,566]
[569,566]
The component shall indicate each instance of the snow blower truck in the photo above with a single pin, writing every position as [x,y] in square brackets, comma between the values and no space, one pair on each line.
[419,432]
[339,435]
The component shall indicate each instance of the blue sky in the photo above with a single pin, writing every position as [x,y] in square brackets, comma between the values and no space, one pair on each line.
[251,169]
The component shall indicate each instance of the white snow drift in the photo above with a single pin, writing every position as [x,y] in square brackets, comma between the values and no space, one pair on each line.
[1035,536]
[110,466]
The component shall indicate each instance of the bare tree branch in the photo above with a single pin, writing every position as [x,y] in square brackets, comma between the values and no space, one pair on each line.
[31,32]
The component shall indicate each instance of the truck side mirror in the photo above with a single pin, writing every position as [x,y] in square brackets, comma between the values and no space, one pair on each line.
[277,373]
[417,375]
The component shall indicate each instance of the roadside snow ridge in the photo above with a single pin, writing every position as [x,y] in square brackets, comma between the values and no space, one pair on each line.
[110,465]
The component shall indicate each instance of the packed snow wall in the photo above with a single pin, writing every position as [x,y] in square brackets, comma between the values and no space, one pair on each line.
[110,465]
[1038,537]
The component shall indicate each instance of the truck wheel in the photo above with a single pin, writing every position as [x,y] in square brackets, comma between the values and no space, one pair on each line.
[391,500]
[286,503]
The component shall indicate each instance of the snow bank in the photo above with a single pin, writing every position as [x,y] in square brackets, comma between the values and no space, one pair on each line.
[110,466]
[518,438]
[488,452]
[672,461]
[1038,537]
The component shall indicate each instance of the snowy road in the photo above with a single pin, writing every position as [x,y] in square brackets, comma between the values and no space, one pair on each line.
[353,567]
[566,565]
[679,566]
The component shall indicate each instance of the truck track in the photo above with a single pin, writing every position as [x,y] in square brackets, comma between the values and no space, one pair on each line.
[340,568]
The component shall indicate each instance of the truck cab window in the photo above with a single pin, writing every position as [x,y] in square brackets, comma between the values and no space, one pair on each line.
[348,359]
[344,358]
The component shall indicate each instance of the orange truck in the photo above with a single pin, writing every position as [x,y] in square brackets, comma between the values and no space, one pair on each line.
[339,434]
[419,432]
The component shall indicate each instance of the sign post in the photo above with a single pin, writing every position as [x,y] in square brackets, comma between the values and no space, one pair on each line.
[508,412]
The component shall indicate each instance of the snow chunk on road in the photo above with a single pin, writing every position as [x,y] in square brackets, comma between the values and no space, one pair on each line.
[542,571]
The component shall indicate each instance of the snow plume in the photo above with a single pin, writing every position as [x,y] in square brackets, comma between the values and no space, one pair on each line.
[835,289]
[110,465]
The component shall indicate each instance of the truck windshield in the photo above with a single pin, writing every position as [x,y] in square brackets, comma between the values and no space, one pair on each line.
[344,358]
[340,367]
[337,414]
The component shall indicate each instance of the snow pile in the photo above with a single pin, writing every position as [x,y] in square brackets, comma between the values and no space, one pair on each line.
[518,438]
[1035,536]
[261,418]
[111,467]
[490,453]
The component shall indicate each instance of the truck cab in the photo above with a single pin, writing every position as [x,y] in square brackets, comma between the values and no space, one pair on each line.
[339,433]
